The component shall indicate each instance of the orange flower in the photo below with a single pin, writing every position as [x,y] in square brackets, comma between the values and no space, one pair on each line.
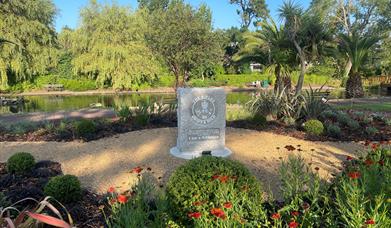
[224,179]
[370,222]
[195,215]
[368,162]
[295,213]
[276,216]
[227,205]
[137,169]
[293,224]
[122,199]
[111,190]
[375,146]
[214,177]
[218,212]
[354,175]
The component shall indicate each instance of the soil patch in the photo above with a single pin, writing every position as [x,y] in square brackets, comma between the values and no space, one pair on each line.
[108,161]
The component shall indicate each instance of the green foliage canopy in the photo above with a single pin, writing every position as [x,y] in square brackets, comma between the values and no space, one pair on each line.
[109,46]
[29,24]
[184,38]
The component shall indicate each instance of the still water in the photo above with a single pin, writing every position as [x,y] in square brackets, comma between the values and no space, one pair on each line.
[67,103]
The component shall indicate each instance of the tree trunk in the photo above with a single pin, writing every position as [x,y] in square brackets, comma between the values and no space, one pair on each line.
[347,69]
[185,78]
[279,85]
[354,87]
[300,82]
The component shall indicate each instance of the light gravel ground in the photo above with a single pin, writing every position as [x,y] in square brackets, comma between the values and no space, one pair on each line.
[106,162]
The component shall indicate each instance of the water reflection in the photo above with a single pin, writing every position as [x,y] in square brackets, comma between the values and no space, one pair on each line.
[67,103]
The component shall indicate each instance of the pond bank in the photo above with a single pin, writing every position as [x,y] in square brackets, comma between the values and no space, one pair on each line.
[162,90]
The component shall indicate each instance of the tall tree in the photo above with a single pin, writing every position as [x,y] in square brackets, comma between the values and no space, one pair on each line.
[270,41]
[109,46]
[250,10]
[30,25]
[306,31]
[357,49]
[153,5]
[183,37]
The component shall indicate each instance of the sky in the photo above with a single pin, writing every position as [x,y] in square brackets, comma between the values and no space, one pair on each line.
[224,14]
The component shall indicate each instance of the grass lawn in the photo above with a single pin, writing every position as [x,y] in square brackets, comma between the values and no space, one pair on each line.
[383,107]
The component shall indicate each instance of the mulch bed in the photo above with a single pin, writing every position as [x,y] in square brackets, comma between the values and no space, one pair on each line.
[85,213]
[109,129]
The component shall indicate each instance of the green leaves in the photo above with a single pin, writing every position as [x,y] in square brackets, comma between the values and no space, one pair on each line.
[109,46]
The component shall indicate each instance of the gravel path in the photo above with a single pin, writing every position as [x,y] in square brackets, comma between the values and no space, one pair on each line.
[100,164]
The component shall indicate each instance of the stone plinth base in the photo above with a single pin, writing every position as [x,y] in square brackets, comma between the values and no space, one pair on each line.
[190,155]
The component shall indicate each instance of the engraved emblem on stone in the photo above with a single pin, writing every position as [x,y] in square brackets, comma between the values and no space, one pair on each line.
[203,110]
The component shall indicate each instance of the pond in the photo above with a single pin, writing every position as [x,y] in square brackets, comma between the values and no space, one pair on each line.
[67,103]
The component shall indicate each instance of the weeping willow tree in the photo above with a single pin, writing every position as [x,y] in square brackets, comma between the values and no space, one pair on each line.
[109,46]
[29,24]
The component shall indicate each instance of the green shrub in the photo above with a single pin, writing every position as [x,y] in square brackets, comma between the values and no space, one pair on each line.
[367,120]
[21,162]
[148,208]
[334,131]
[65,189]
[343,119]
[371,131]
[124,113]
[314,127]
[259,120]
[81,84]
[209,182]
[353,124]
[85,128]
[3,201]
[328,114]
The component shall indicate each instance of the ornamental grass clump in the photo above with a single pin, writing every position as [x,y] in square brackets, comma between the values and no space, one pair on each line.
[20,163]
[85,129]
[210,191]
[65,189]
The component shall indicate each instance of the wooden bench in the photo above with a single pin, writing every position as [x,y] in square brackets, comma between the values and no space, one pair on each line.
[54,87]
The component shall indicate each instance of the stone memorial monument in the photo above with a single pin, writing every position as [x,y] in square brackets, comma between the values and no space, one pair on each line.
[201,123]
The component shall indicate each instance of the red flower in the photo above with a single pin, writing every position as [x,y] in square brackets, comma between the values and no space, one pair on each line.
[348,158]
[375,146]
[368,162]
[214,177]
[381,162]
[276,216]
[227,205]
[197,203]
[370,222]
[112,201]
[295,213]
[111,190]
[293,224]
[354,175]
[122,199]
[224,179]
[218,212]
[137,169]
[195,215]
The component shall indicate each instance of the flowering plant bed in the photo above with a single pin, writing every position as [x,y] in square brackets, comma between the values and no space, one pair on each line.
[358,197]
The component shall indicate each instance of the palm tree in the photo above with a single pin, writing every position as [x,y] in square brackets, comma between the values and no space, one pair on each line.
[356,48]
[270,42]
